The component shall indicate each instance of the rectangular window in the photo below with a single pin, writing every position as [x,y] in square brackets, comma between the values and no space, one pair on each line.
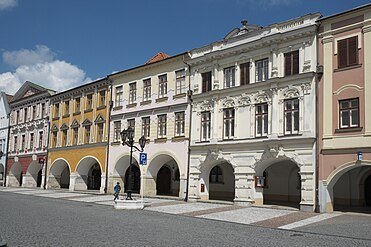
[228,119]
[118,96]
[291,63]
[117,130]
[43,110]
[66,107]
[146,89]
[261,119]
[56,110]
[23,143]
[162,86]
[180,81]
[291,112]
[15,147]
[87,134]
[131,124]
[132,92]
[89,102]
[100,132]
[146,125]
[55,135]
[349,113]
[77,105]
[18,114]
[32,139]
[206,82]
[64,138]
[205,125]
[244,73]
[41,139]
[261,70]
[348,52]
[25,115]
[102,98]
[179,123]
[34,112]
[75,136]
[161,133]
[229,77]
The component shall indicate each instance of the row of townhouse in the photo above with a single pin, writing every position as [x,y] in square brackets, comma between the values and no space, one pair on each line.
[268,115]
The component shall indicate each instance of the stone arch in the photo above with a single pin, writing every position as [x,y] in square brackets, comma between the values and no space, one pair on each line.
[15,177]
[88,174]
[33,175]
[121,169]
[59,174]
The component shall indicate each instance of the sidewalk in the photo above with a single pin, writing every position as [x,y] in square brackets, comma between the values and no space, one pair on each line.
[273,217]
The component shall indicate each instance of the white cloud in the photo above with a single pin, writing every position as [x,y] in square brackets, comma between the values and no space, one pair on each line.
[41,67]
[7,4]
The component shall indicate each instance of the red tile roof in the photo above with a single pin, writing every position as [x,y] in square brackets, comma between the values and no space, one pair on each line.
[159,56]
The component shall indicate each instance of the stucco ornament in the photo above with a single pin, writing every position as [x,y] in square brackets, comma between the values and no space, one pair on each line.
[261,97]
[244,100]
[277,152]
[215,155]
[291,92]
[227,102]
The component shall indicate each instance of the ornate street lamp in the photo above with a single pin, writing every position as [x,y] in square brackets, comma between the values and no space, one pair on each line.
[127,137]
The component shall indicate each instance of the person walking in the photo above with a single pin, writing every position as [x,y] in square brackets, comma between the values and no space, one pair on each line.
[117,190]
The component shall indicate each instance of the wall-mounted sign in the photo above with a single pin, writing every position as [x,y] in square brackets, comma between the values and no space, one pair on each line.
[359,155]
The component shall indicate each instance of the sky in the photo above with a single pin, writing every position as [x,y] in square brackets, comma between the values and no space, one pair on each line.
[64,44]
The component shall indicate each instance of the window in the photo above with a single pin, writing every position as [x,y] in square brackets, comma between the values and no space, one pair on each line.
[87,134]
[25,115]
[162,86]
[55,139]
[228,119]
[34,112]
[56,110]
[117,130]
[205,125]
[15,147]
[244,73]
[43,110]
[229,77]
[89,102]
[64,138]
[41,139]
[216,175]
[146,89]
[146,122]
[67,107]
[179,123]
[261,70]
[348,52]
[261,119]
[291,116]
[349,113]
[206,82]
[100,132]
[102,98]
[77,105]
[180,81]
[17,117]
[161,126]
[132,92]
[32,139]
[118,96]
[131,124]
[75,136]
[23,143]
[291,63]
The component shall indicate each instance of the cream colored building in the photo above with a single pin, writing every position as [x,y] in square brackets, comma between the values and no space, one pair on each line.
[153,100]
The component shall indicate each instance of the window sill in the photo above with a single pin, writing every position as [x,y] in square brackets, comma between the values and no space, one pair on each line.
[179,96]
[163,99]
[161,140]
[88,110]
[76,113]
[66,115]
[348,67]
[288,135]
[345,130]
[202,142]
[55,118]
[116,108]
[178,138]
[101,107]
[131,105]
[147,102]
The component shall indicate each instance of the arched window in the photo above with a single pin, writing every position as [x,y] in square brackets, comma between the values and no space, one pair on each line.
[216,175]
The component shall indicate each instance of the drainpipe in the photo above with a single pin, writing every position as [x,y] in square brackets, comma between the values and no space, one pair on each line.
[108,137]
[189,99]
[47,150]
[7,150]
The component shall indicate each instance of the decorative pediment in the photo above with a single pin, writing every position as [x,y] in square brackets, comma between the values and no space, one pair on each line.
[28,89]
[291,93]
[244,100]
[228,102]
[86,122]
[261,98]
[75,124]
[99,119]
[54,128]
[64,127]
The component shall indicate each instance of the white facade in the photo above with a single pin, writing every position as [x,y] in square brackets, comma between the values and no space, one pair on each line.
[4,126]
[255,143]
[153,99]
[28,139]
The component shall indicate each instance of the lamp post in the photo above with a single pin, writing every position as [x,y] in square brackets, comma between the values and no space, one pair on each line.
[127,137]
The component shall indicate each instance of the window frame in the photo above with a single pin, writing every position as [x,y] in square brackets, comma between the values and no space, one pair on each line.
[147,89]
[295,116]
[161,126]
[206,82]
[228,123]
[205,126]
[146,127]
[162,86]
[229,75]
[116,131]
[100,132]
[119,90]
[349,110]
[264,69]
[244,73]
[291,63]
[89,102]
[347,51]
[179,123]
[102,98]
[216,175]
[132,92]
[180,86]
[263,120]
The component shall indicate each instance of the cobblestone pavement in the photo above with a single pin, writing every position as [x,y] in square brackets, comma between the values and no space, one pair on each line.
[278,217]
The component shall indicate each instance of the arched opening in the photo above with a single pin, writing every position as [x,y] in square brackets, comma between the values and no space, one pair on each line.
[31,179]
[89,175]
[59,175]
[15,175]
[282,184]
[135,183]
[221,182]
[368,191]
[166,175]
[39,177]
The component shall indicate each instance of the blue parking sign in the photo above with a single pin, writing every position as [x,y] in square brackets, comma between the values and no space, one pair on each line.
[143,159]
